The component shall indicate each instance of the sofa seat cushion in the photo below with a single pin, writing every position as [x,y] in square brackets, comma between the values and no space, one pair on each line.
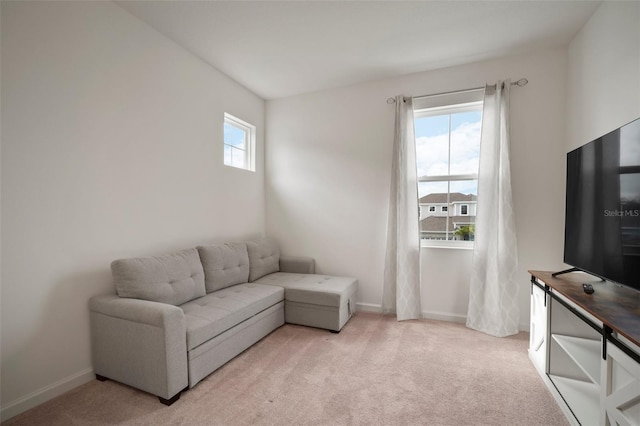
[324,290]
[221,310]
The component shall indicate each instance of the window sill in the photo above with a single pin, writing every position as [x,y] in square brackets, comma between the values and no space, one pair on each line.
[240,168]
[455,245]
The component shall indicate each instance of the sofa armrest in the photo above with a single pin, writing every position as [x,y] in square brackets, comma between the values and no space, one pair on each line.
[297,264]
[140,343]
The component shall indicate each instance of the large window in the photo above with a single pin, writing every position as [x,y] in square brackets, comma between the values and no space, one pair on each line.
[239,143]
[448,151]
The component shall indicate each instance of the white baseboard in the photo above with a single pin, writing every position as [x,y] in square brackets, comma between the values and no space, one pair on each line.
[441,316]
[438,316]
[46,393]
[368,307]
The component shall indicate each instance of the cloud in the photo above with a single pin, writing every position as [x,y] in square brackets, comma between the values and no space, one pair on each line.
[432,152]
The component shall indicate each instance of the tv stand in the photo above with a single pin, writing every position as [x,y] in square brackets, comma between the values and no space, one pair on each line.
[586,347]
[566,271]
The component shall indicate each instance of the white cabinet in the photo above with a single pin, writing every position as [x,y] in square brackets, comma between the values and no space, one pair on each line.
[621,395]
[538,328]
[574,366]
[592,370]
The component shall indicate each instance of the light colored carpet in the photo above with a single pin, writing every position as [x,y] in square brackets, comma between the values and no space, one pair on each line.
[377,371]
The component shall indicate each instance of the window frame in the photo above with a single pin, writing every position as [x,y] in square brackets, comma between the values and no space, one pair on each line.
[250,142]
[441,105]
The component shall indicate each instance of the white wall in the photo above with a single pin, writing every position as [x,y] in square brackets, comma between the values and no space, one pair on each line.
[328,171]
[111,147]
[604,73]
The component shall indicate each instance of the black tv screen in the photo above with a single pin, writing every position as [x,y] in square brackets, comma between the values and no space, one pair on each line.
[602,220]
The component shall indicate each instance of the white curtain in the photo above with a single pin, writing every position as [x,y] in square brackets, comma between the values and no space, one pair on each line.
[493,298]
[401,291]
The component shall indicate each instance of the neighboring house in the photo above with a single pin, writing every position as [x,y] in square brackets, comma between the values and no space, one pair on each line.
[442,214]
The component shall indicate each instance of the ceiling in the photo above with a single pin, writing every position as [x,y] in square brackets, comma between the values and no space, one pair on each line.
[283,48]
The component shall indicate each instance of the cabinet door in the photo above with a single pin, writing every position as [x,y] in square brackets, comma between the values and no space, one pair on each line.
[621,395]
[538,329]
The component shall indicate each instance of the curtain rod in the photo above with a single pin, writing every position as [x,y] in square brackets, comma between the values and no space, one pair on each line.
[520,83]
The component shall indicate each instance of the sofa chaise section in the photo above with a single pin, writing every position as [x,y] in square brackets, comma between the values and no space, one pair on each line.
[321,301]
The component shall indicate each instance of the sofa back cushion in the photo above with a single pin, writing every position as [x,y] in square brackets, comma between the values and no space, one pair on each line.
[224,265]
[173,278]
[264,258]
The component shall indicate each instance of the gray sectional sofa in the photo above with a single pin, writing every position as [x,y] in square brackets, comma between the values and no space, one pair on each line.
[177,318]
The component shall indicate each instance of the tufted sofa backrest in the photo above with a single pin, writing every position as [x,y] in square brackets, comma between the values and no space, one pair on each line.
[172,278]
[224,265]
[264,258]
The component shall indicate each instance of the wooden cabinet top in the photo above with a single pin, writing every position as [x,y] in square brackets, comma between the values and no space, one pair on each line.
[616,306]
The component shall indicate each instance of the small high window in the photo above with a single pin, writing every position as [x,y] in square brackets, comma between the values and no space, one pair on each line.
[239,143]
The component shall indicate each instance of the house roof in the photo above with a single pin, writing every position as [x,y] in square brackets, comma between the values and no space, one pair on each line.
[439,223]
[441,198]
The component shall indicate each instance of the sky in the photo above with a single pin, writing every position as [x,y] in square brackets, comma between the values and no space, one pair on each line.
[234,137]
[432,150]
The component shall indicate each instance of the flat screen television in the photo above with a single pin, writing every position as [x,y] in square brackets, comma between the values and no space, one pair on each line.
[602,219]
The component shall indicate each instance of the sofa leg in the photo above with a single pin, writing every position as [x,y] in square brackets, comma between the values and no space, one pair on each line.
[335,331]
[101,378]
[171,400]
